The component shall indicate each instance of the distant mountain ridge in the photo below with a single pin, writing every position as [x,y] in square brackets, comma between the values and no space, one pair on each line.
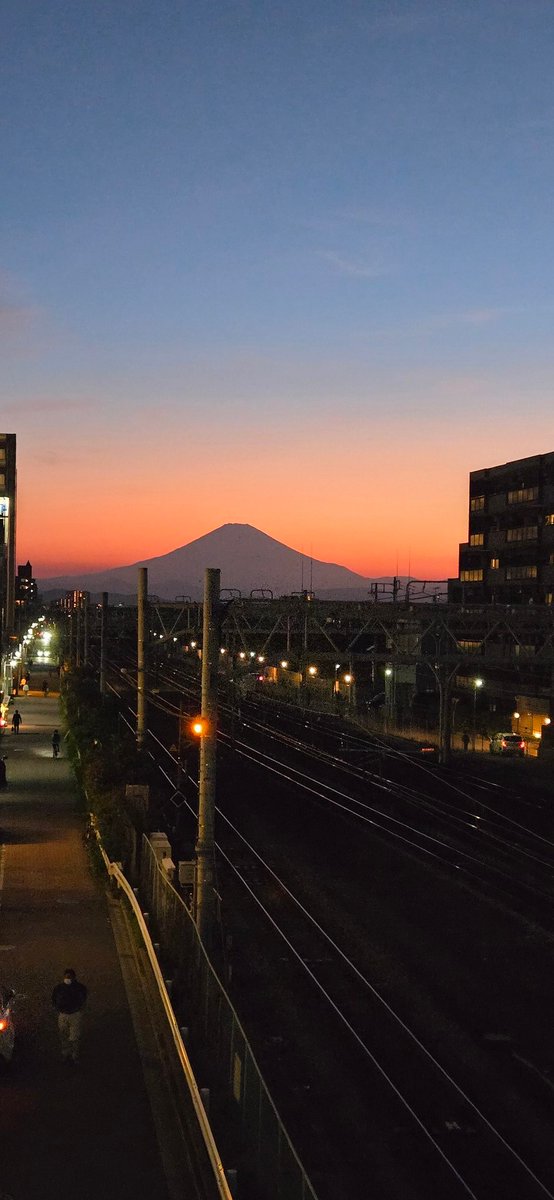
[249,561]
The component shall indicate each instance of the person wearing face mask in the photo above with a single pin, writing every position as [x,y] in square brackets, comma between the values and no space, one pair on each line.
[69,999]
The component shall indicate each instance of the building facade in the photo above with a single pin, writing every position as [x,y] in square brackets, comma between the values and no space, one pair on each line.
[509,555]
[26,594]
[8,504]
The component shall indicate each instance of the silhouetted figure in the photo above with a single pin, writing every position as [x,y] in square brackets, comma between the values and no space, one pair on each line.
[55,743]
[16,721]
[69,999]
[45,687]
[3,779]
[465,740]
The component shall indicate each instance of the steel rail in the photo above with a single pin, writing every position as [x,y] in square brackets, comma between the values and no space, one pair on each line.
[380,999]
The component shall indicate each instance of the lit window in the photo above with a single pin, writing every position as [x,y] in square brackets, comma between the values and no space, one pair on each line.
[549,519]
[2,482]
[475,576]
[477,539]
[521,495]
[523,533]
[549,598]
[477,503]
[494,564]
[551,559]
[521,573]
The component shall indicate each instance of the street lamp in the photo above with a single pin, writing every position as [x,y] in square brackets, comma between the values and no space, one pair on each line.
[389,708]
[312,671]
[477,683]
[336,683]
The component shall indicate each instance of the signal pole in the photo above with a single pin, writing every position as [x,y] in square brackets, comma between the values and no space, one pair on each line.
[204,895]
[103,623]
[142,597]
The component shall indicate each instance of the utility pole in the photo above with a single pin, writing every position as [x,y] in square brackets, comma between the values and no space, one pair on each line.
[85,627]
[444,678]
[204,894]
[78,634]
[180,746]
[142,599]
[103,631]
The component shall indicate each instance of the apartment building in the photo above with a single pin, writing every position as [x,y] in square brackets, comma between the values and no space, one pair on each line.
[509,555]
[8,497]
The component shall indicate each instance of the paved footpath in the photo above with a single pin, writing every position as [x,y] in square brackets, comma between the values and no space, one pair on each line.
[84,1131]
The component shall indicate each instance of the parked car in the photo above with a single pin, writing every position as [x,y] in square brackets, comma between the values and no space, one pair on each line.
[507,743]
[7,1036]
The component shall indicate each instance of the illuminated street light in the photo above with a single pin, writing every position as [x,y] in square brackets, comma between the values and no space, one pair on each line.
[242,655]
[284,664]
[261,658]
[388,671]
[312,671]
[547,721]
[477,683]
[348,678]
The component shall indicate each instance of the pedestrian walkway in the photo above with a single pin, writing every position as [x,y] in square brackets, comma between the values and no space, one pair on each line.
[88,1131]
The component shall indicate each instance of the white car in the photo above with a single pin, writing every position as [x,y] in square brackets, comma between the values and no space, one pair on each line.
[7,1031]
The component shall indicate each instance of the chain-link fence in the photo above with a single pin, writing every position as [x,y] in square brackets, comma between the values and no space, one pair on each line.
[216,1030]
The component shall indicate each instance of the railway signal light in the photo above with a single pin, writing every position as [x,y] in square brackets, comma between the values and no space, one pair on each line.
[198,727]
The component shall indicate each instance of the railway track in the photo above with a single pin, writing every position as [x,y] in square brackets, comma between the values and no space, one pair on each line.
[434,1117]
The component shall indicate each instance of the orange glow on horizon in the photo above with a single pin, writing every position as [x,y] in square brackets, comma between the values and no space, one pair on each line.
[377,510]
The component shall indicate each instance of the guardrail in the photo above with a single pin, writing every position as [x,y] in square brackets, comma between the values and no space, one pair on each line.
[115,872]
[221,1038]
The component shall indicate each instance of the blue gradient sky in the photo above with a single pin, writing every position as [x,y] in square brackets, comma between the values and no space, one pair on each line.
[289,264]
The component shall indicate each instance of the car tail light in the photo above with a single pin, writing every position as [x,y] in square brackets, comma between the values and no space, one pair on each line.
[522,745]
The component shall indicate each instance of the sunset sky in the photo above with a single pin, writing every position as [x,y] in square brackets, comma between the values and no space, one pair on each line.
[288,264]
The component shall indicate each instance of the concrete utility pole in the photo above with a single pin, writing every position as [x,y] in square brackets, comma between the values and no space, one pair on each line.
[77,609]
[103,631]
[204,895]
[85,628]
[444,677]
[141,655]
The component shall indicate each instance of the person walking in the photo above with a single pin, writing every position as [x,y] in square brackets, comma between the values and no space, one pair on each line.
[45,688]
[16,721]
[55,743]
[465,740]
[69,999]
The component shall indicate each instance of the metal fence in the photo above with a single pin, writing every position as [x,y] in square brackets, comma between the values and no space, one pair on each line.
[215,1029]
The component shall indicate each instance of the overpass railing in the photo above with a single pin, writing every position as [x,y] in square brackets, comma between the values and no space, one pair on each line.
[215,1027]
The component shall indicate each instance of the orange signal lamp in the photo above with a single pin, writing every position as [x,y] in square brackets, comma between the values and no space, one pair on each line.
[199,726]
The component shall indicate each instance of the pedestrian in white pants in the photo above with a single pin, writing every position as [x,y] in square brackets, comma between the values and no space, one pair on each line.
[69,999]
